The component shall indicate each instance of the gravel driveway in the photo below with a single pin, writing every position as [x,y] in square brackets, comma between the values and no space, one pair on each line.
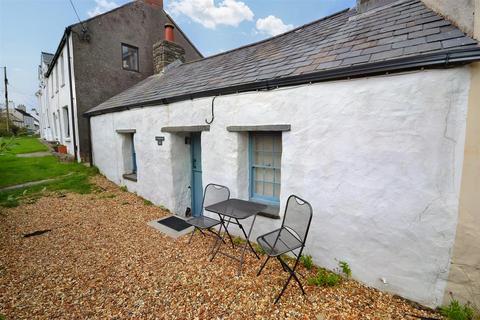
[101,260]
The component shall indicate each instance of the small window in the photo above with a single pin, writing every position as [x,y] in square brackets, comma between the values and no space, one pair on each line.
[129,154]
[129,57]
[62,69]
[56,78]
[265,166]
[66,122]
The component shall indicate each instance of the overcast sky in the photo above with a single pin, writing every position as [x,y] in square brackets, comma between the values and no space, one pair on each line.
[28,27]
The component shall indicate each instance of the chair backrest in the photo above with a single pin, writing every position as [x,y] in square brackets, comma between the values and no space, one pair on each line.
[214,193]
[297,217]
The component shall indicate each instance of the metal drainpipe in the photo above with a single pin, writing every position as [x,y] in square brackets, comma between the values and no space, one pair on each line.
[90,151]
[67,33]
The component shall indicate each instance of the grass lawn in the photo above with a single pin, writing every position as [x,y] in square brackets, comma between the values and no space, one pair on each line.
[15,170]
[26,145]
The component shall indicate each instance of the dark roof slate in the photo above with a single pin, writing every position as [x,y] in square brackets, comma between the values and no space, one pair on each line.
[403,29]
[47,57]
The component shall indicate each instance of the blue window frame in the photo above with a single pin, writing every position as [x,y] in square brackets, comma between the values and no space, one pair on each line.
[134,155]
[265,161]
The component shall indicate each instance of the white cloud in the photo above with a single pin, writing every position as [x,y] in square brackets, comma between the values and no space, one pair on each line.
[272,25]
[209,15]
[101,7]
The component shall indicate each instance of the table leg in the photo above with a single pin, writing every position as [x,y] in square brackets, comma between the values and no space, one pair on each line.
[247,237]
[217,244]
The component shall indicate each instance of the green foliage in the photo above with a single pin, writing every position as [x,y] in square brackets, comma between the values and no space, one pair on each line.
[147,202]
[238,240]
[307,261]
[6,145]
[15,170]
[124,188]
[258,248]
[456,311]
[345,268]
[325,278]
[27,145]
[77,182]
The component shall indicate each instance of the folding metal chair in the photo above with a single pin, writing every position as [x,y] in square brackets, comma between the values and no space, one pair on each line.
[290,237]
[213,193]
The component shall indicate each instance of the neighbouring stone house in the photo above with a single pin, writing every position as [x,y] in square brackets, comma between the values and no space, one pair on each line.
[96,59]
[372,114]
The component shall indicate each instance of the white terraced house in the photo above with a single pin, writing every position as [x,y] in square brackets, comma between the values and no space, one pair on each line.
[371,114]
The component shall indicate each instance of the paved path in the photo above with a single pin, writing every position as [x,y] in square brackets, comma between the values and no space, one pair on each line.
[33,183]
[34,154]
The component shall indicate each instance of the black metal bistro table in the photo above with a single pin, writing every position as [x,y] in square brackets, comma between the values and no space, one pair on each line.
[231,211]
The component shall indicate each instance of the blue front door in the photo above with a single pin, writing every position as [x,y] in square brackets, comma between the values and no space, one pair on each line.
[197,189]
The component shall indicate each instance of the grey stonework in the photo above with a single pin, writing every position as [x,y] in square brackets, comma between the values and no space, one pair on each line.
[97,62]
[166,52]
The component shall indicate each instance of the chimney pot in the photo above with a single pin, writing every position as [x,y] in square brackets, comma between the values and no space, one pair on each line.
[169,32]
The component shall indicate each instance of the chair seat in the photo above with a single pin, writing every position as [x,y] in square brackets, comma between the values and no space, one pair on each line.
[203,222]
[286,242]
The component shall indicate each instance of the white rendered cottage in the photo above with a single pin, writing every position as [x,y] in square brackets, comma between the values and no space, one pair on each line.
[369,114]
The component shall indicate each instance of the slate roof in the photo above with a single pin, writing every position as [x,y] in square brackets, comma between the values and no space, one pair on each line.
[47,58]
[402,29]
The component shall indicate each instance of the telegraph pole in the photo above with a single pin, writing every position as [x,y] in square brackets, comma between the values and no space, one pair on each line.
[6,98]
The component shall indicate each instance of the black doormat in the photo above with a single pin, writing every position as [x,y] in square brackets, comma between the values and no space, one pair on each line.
[174,223]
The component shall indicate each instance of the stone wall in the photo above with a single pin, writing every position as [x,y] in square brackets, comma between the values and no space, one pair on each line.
[380,159]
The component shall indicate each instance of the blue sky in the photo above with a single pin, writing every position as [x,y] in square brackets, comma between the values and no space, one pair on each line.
[28,27]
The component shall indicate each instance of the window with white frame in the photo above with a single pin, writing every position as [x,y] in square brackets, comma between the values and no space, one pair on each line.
[66,122]
[56,78]
[265,157]
[129,57]
[62,69]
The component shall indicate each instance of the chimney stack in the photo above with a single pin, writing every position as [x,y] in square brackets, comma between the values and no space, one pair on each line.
[167,51]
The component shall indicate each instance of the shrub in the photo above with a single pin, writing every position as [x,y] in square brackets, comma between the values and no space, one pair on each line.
[345,268]
[307,261]
[325,278]
[147,202]
[456,311]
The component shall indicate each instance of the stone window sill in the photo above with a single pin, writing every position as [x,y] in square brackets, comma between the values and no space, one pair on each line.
[272,212]
[130,176]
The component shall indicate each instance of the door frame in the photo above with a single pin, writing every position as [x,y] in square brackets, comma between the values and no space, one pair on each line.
[192,179]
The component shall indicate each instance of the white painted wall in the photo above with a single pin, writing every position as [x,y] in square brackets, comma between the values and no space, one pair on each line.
[379,159]
[53,98]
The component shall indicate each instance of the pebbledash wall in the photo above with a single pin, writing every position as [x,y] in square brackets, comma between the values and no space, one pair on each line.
[380,159]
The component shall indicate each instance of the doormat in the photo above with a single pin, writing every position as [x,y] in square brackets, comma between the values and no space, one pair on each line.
[175,223]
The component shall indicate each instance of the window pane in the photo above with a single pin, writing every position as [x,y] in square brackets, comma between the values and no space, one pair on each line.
[277,190]
[258,174]
[130,58]
[266,159]
[268,189]
[268,175]
[258,188]
[277,160]
[278,176]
